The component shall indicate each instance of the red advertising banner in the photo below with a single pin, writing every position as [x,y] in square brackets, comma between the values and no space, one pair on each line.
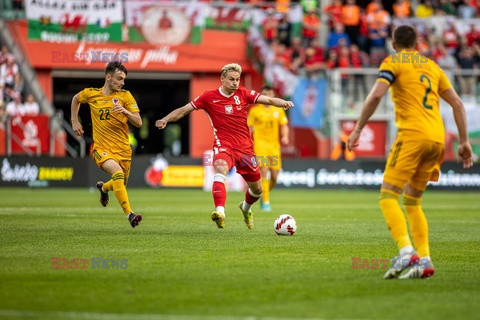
[373,139]
[31,132]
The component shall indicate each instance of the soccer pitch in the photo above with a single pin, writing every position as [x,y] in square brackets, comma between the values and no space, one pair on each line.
[178,265]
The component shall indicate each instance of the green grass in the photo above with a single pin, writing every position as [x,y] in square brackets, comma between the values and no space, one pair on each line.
[180,266]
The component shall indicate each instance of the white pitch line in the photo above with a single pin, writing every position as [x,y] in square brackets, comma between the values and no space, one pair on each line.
[12,314]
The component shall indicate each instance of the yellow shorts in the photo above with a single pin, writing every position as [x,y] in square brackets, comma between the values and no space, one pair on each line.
[268,157]
[414,162]
[101,155]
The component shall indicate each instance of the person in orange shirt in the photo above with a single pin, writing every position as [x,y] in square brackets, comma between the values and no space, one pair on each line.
[401,9]
[373,6]
[351,20]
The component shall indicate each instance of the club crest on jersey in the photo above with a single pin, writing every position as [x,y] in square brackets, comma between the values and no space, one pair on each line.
[228,109]
[115,101]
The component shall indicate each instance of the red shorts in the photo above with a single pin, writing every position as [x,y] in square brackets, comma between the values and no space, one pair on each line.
[244,161]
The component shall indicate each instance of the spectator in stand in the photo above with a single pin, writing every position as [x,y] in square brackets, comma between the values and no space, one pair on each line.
[351,20]
[310,27]
[4,54]
[297,55]
[332,59]
[423,47]
[363,32]
[451,37]
[448,8]
[424,9]
[335,37]
[373,6]
[446,61]
[378,23]
[15,107]
[334,12]
[9,76]
[467,62]
[312,65]
[282,56]
[344,63]
[358,60]
[401,9]
[269,27]
[284,28]
[466,10]
[472,36]
[30,106]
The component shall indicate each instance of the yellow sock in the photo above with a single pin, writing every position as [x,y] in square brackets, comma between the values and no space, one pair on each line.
[108,186]
[266,190]
[120,191]
[394,217]
[418,225]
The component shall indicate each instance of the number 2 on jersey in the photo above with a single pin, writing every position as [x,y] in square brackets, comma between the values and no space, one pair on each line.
[427,91]
[105,112]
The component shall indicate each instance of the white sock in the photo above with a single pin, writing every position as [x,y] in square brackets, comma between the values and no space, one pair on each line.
[406,250]
[245,206]
[220,210]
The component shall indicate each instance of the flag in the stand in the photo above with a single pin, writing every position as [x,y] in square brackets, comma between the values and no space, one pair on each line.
[309,99]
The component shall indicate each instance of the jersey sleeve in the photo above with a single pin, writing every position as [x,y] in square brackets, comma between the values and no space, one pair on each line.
[130,103]
[444,83]
[251,96]
[83,95]
[282,119]
[387,72]
[200,102]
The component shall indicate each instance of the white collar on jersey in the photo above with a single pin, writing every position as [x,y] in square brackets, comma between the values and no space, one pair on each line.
[223,94]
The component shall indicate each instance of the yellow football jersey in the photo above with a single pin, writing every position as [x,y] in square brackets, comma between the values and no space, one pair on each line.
[266,122]
[110,131]
[415,83]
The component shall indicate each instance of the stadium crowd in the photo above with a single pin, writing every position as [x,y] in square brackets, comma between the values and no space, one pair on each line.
[11,88]
[359,37]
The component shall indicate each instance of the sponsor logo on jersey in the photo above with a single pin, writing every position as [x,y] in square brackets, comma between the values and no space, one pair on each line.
[228,109]
[215,101]
[252,92]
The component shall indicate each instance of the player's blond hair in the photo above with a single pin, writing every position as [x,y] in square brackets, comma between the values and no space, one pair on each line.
[231,67]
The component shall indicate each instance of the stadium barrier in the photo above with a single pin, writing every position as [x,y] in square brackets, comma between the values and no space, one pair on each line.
[162,172]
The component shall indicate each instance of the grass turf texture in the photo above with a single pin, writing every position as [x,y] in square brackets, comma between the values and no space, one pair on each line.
[180,266]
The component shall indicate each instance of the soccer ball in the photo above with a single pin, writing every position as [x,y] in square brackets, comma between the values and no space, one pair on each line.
[285,225]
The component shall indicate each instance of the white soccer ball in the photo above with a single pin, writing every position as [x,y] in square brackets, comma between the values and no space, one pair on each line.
[285,225]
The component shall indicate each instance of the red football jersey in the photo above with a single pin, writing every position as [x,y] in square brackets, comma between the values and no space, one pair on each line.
[228,116]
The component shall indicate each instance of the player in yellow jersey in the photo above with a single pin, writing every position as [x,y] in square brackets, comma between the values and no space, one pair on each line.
[111,109]
[417,84]
[266,122]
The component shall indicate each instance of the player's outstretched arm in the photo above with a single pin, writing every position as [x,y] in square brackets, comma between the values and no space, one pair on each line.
[370,105]
[175,115]
[76,126]
[464,149]
[277,102]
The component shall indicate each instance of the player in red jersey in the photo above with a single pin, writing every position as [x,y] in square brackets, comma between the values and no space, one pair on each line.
[227,109]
